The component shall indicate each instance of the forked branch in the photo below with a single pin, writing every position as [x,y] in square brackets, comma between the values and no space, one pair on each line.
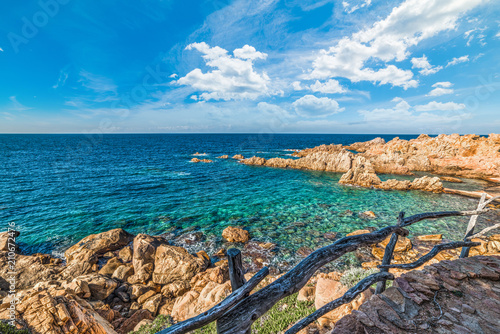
[434,251]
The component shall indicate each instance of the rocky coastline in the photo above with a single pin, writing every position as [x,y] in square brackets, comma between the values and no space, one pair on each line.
[116,282]
[450,156]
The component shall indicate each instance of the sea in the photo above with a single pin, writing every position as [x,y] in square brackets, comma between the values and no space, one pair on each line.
[58,189]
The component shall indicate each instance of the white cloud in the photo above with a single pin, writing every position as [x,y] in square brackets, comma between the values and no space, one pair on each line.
[440,91]
[233,78]
[444,84]
[1,49]
[423,64]
[403,114]
[439,106]
[459,60]
[16,105]
[249,52]
[312,106]
[331,86]
[296,85]
[63,76]
[389,40]
[348,8]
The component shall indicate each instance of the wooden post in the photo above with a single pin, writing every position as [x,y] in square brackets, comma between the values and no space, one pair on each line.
[236,274]
[472,225]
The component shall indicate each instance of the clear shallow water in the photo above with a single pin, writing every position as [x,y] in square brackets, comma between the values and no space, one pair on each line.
[61,188]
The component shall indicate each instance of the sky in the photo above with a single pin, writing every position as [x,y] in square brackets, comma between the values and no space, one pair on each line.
[268,66]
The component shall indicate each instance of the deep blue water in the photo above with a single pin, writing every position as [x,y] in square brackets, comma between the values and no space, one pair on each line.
[60,188]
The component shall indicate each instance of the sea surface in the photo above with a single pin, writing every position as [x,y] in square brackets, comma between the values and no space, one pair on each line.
[61,188]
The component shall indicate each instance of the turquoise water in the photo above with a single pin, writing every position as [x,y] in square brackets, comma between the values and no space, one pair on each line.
[60,188]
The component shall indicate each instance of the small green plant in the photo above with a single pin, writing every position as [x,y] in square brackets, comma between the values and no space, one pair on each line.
[208,329]
[5,328]
[286,312]
[353,276]
[161,322]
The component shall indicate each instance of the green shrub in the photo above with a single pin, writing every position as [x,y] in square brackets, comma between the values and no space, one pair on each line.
[5,328]
[354,275]
[161,322]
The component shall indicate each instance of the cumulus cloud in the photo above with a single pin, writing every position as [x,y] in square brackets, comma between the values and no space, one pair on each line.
[232,77]
[425,67]
[459,60]
[296,85]
[331,86]
[389,40]
[312,106]
[441,88]
[404,113]
[439,106]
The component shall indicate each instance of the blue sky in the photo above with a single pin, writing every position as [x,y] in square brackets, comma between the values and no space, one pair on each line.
[353,66]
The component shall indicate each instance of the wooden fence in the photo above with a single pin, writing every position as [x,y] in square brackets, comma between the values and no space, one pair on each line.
[237,313]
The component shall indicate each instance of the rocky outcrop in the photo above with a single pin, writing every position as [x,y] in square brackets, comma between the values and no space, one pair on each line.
[238,157]
[4,240]
[87,249]
[175,263]
[201,160]
[29,271]
[225,156]
[144,257]
[234,234]
[460,296]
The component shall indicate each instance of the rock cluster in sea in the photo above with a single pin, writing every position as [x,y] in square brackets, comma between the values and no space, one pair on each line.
[468,156]
[113,281]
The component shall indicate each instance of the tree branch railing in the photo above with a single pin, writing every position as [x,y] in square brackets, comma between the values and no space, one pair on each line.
[237,313]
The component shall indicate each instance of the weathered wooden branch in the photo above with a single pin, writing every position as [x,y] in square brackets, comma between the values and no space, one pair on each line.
[236,274]
[472,224]
[433,252]
[240,318]
[433,215]
[389,250]
[218,310]
[491,200]
[483,232]
[348,297]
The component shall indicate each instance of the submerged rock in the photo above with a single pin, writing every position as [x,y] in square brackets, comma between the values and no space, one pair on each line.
[235,234]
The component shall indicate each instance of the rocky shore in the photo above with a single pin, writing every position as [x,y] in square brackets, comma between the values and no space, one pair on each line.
[468,156]
[115,282]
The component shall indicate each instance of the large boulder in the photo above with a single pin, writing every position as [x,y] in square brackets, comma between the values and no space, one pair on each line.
[361,174]
[175,263]
[100,286]
[328,290]
[234,234]
[29,270]
[144,256]
[185,306]
[47,313]
[89,248]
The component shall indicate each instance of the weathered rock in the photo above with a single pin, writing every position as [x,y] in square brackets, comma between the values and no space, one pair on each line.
[225,156]
[110,267]
[144,256]
[125,254]
[219,274]
[450,179]
[403,244]
[129,324]
[123,272]
[4,241]
[306,294]
[201,160]
[466,290]
[90,247]
[368,214]
[29,270]
[49,314]
[175,289]
[100,286]
[357,232]
[238,157]
[361,174]
[142,299]
[152,304]
[138,290]
[175,263]
[328,290]
[427,183]
[78,287]
[211,295]
[185,306]
[234,234]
